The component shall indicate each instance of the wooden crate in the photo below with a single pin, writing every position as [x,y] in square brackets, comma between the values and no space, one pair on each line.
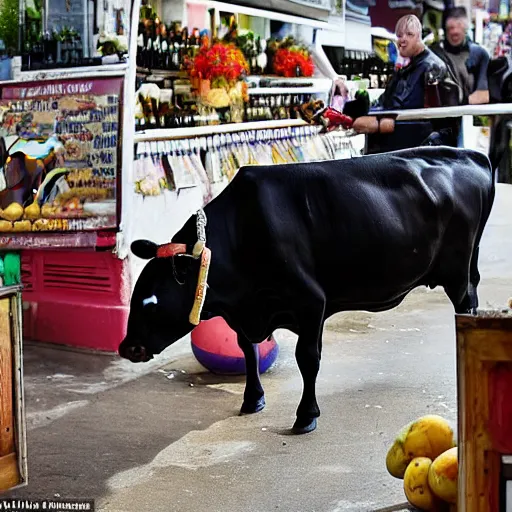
[484,375]
[13,451]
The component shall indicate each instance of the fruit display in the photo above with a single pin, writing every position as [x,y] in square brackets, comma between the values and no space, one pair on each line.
[424,455]
[428,436]
[64,161]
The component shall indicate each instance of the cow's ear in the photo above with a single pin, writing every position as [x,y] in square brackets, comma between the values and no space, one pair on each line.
[144,249]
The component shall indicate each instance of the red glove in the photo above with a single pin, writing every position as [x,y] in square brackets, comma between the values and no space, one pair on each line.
[336,118]
[331,119]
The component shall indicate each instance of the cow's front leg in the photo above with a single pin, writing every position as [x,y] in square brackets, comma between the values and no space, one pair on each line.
[254,396]
[307,354]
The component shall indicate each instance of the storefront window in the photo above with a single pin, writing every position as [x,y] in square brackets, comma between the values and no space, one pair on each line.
[73,33]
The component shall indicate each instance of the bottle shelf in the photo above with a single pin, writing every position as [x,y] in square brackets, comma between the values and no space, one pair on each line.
[162,72]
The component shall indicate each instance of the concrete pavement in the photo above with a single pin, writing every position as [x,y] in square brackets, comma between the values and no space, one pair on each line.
[168,437]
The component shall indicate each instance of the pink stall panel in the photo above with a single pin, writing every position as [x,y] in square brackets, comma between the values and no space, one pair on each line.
[76,298]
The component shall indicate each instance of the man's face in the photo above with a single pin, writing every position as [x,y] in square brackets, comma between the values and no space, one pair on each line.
[455,31]
[409,43]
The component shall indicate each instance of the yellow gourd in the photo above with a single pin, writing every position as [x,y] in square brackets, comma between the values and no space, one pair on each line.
[13,212]
[5,226]
[32,212]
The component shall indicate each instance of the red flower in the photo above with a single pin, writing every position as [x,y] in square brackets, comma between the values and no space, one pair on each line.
[286,61]
[221,60]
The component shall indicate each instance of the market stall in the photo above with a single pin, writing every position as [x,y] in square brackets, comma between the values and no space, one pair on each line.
[61,150]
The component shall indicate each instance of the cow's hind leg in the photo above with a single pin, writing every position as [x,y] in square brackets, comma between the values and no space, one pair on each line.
[461,287]
[254,397]
[307,354]
[474,281]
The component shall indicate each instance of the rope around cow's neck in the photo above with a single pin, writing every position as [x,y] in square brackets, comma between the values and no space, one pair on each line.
[200,250]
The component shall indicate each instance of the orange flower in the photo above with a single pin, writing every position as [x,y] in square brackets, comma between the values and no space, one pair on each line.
[287,61]
[220,61]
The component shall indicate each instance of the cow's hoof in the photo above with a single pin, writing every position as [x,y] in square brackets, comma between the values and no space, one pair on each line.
[252,407]
[304,426]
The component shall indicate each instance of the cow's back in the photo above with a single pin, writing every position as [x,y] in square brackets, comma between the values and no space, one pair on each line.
[361,219]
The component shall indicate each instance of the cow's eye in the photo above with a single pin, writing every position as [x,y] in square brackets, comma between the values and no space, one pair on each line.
[150,300]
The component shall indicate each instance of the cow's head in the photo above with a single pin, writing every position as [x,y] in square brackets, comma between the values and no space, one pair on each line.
[168,297]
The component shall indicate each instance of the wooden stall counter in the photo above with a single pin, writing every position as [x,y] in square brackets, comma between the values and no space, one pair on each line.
[13,455]
[484,374]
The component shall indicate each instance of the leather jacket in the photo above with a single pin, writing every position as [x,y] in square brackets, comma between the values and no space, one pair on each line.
[406,89]
[474,78]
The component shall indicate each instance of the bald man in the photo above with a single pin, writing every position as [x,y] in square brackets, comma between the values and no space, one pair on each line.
[406,89]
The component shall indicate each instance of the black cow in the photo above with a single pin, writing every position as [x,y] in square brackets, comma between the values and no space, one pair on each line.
[293,244]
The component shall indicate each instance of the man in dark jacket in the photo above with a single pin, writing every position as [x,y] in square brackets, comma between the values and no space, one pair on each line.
[467,60]
[406,89]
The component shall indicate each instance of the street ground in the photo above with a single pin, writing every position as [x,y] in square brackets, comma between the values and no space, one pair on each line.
[167,437]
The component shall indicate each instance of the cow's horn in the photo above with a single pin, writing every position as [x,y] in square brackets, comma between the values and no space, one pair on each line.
[144,249]
[170,250]
[198,249]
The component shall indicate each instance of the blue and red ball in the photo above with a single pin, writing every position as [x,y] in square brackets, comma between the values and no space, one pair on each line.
[215,346]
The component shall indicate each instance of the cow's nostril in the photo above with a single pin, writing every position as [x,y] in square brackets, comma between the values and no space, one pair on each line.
[137,352]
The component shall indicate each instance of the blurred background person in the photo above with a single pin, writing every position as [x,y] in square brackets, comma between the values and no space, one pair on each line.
[467,60]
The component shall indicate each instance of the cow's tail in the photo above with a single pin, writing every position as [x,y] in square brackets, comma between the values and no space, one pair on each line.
[499,143]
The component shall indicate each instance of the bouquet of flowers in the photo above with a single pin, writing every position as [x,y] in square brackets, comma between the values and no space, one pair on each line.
[223,64]
[290,59]
[293,62]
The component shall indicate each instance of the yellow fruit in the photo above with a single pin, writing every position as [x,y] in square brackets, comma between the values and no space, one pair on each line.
[443,476]
[5,226]
[416,486]
[23,225]
[396,461]
[32,212]
[428,436]
[47,210]
[13,212]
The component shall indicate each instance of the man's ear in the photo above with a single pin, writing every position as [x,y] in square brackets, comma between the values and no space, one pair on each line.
[144,249]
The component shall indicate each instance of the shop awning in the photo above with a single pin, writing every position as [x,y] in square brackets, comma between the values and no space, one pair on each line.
[314,13]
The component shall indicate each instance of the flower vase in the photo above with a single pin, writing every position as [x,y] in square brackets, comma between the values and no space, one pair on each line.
[237,112]
[224,114]
[204,87]
[195,82]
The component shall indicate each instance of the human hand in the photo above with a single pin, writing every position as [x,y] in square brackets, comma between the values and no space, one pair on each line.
[479,98]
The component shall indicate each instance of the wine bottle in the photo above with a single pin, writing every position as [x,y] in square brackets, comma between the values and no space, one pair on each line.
[176,51]
[184,48]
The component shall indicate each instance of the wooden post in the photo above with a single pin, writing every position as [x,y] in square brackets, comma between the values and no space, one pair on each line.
[13,450]
[6,391]
[484,375]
